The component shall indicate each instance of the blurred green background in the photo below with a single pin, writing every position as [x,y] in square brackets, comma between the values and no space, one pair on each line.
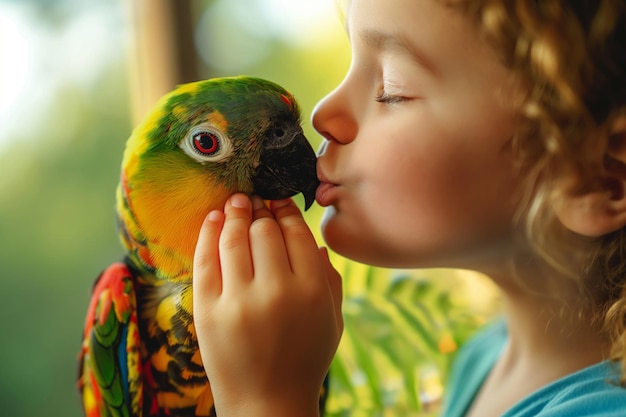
[71,87]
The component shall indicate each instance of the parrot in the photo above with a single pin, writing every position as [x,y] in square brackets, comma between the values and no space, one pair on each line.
[202,142]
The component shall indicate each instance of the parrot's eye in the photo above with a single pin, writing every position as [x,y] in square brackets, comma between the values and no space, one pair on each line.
[206,143]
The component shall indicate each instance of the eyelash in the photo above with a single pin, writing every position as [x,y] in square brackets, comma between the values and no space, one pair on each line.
[384,97]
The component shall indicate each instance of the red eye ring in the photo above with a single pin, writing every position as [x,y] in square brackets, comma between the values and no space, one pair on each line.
[206,143]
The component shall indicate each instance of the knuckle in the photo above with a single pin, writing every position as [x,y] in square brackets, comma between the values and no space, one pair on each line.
[203,260]
[295,227]
[317,295]
[232,240]
[234,234]
[204,316]
[238,312]
[279,299]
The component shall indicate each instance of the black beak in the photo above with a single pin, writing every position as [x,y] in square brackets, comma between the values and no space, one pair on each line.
[286,171]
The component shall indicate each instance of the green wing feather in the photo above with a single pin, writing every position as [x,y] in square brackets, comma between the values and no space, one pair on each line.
[110,376]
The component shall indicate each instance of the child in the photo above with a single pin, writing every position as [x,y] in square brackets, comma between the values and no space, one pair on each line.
[480,134]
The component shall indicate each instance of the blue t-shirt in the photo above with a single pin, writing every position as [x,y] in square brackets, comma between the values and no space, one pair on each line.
[588,392]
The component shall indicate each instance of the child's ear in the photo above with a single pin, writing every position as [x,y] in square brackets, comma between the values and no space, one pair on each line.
[602,209]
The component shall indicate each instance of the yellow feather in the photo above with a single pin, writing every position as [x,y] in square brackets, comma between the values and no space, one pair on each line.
[165,311]
[173,238]
[189,88]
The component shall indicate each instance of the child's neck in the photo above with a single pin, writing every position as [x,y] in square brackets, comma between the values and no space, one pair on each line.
[541,330]
[546,343]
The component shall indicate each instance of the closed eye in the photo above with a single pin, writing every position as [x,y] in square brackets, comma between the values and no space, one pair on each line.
[384,97]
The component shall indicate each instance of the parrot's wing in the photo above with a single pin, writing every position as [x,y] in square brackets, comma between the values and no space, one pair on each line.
[110,363]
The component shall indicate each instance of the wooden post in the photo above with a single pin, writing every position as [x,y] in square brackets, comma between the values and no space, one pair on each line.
[162,50]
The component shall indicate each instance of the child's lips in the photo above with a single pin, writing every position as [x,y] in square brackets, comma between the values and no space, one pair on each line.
[324,193]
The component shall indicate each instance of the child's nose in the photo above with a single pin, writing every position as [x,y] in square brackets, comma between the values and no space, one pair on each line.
[333,117]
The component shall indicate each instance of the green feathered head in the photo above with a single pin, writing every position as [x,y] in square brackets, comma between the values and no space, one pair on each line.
[203,142]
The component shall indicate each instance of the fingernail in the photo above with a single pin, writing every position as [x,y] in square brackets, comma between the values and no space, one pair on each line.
[240,201]
[257,202]
[214,215]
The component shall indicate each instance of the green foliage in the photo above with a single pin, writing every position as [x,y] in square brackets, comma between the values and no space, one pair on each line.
[402,330]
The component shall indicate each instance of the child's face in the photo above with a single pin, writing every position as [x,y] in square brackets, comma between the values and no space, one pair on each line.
[425,179]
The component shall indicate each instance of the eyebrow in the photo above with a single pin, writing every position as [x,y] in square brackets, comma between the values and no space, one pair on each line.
[383,41]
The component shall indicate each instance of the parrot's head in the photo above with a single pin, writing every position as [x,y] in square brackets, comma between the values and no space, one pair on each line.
[203,142]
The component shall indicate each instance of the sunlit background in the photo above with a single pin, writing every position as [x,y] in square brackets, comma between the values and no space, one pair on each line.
[74,78]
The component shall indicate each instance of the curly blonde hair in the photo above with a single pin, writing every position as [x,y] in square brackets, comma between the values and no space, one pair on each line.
[570,56]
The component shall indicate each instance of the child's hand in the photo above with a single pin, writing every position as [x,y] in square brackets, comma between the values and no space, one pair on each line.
[267,309]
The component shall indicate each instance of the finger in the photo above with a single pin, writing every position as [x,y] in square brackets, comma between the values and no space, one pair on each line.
[234,246]
[299,241]
[269,254]
[207,276]
[335,284]
[260,209]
